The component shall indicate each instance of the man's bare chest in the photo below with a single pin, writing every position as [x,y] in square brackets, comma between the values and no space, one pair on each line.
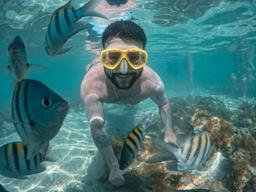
[132,97]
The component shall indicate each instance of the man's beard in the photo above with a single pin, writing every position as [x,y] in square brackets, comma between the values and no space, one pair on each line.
[123,81]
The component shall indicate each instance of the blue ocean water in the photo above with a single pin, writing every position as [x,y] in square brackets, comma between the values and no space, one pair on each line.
[197,47]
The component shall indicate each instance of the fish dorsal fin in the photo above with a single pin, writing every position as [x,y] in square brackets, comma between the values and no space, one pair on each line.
[68,4]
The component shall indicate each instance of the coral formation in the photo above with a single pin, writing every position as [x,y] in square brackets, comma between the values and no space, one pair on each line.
[228,134]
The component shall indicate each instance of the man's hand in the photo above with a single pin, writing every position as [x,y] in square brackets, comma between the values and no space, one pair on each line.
[170,137]
[116,177]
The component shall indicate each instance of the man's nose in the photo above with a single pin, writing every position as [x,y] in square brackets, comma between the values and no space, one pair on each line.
[123,66]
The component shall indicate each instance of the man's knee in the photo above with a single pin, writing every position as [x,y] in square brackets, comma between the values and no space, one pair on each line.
[96,122]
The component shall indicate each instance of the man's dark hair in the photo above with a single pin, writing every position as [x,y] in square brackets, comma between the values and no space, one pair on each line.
[117,2]
[124,30]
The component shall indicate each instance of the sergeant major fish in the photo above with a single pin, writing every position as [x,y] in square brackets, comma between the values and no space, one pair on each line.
[14,163]
[63,25]
[133,141]
[190,156]
[18,64]
[38,113]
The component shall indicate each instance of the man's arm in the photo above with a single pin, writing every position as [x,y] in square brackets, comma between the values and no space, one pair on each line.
[94,111]
[161,99]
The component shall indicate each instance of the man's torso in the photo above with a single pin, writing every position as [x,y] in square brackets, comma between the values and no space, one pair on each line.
[96,82]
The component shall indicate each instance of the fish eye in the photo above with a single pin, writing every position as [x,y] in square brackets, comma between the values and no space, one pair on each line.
[46,102]
[23,47]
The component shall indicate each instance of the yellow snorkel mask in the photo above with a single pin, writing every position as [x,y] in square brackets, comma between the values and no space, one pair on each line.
[135,57]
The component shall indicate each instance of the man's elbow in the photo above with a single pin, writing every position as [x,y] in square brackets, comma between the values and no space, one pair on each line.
[165,106]
[90,98]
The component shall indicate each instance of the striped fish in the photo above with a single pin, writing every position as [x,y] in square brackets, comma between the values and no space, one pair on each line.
[133,141]
[190,156]
[194,152]
[64,24]
[18,63]
[38,113]
[14,162]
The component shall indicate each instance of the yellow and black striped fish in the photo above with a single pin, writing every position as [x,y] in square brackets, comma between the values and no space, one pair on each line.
[14,163]
[133,142]
[194,152]
[189,156]
[64,24]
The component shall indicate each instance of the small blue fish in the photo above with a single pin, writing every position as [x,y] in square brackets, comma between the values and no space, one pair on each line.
[38,113]
[63,25]
[14,163]
[189,157]
[133,141]
[18,64]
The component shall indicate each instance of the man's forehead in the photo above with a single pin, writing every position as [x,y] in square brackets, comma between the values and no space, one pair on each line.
[122,43]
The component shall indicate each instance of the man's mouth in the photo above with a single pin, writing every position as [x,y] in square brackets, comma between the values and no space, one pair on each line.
[122,76]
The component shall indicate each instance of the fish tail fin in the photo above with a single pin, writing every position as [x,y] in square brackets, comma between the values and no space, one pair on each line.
[89,9]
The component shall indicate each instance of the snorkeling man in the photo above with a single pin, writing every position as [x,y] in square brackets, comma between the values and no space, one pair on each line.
[122,76]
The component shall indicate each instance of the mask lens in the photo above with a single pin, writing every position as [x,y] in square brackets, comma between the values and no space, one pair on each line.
[137,58]
[111,58]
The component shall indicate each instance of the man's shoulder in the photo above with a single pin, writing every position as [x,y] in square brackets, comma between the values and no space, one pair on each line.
[95,72]
[150,79]
[94,79]
[150,75]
